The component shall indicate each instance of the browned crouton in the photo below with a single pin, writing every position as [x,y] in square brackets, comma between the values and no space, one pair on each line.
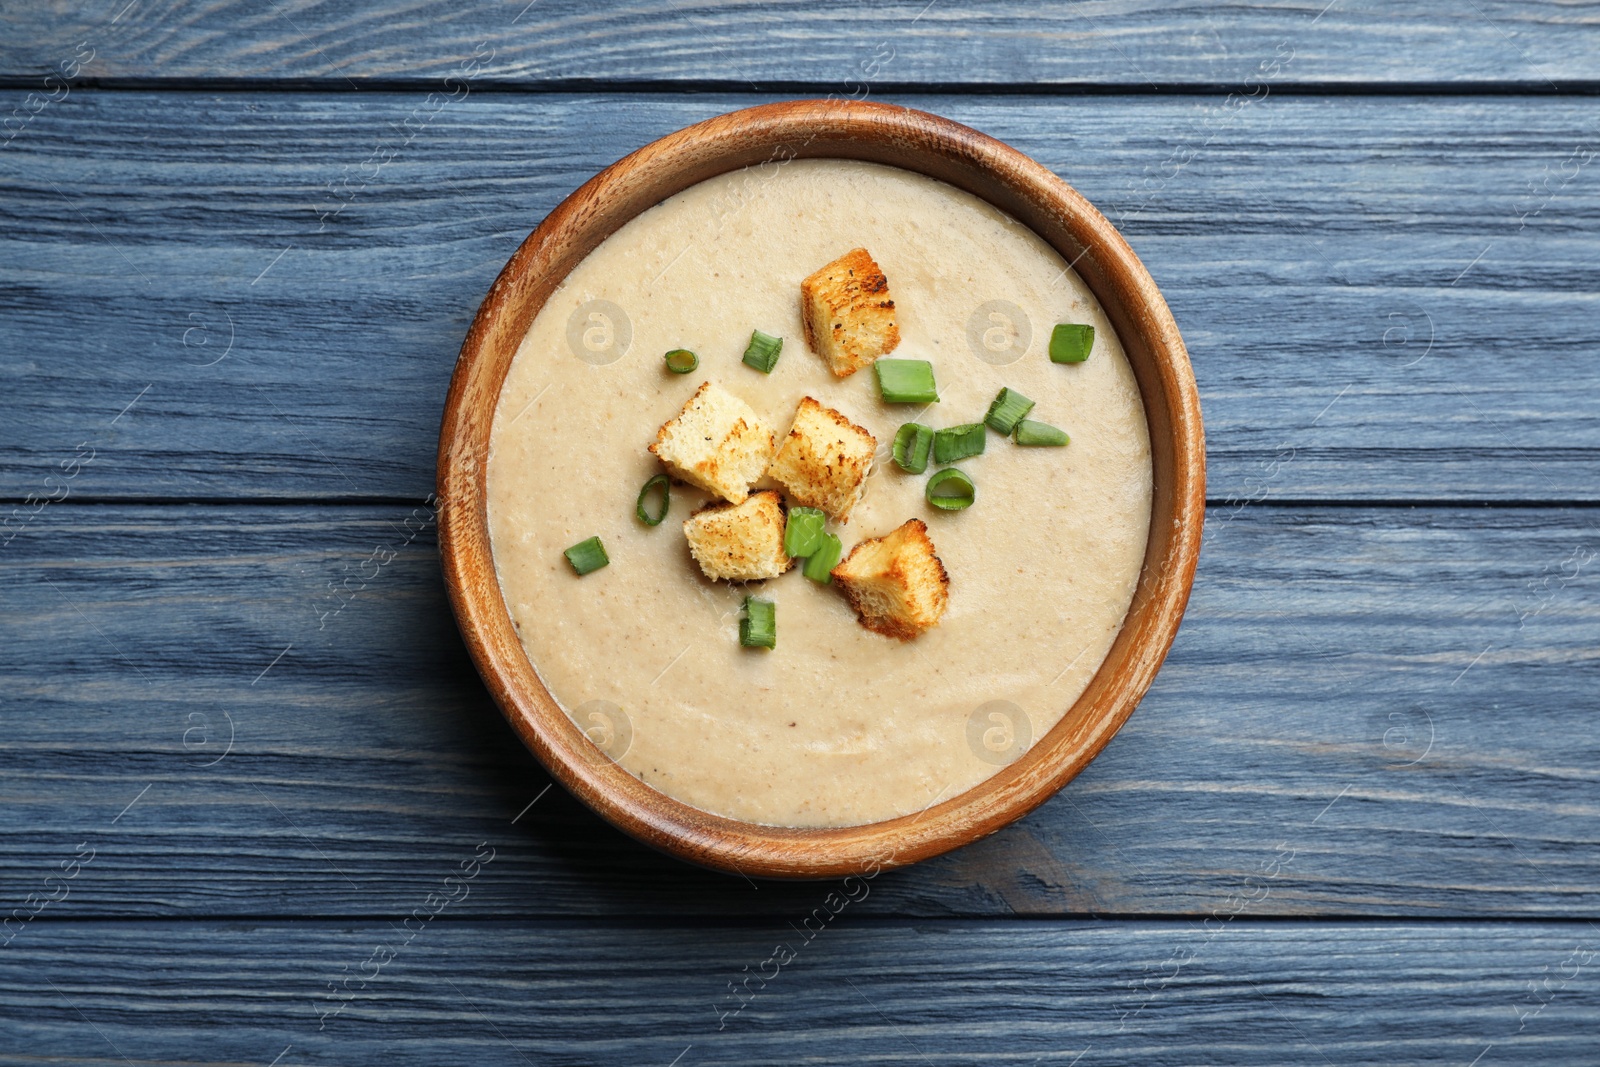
[896,583]
[739,542]
[823,462]
[848,313]
[717,443]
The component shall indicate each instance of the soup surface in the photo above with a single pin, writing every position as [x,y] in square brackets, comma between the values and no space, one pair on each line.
[837,725]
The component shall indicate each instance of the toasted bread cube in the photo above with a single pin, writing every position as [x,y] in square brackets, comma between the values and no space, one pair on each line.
[740,542]
[717,443]
[896,583]
[824,461]
[848,312]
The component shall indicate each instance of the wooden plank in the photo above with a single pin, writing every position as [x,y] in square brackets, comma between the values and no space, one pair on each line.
[833,44]
[1021,993]
[1373,712]
[1363,309]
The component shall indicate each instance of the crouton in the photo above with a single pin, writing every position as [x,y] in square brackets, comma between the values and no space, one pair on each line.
[896,584]
[849,315]
[739,542]
[824,461]
[717,443]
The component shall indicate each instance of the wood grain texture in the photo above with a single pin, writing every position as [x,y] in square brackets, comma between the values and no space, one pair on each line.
[1370,712]
[878,993]
[1369,317]
[833,44]
[1379,712]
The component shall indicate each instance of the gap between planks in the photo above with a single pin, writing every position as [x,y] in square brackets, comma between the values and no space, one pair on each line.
[668,87]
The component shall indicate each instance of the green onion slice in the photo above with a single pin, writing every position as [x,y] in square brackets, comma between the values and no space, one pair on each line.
[803,532]
[951,490]
[762,352]
[820,564]
[586,556]
[959,442]
[912,444]
[1070,343]
[1007,410]
[759,627]
[906,381]
[682,361]
[1029,432]
[663,483]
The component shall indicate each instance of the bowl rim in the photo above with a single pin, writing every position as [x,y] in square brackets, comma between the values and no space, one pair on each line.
[771,135]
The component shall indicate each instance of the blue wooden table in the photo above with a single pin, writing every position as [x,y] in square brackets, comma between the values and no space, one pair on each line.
[259,810]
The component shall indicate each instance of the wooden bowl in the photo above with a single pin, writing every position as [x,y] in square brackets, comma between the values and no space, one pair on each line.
[912,140]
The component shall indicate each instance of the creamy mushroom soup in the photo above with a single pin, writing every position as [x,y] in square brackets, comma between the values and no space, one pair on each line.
[837,725]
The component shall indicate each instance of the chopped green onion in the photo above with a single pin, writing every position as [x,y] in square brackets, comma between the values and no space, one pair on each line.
[1007,410]
[586,556]
[682,361]
[959,442]
[1070,343]
[663,483]
[906,381]
[951,490]
[762,353]
[821,562]
[1029,432]
[759,627]
[912,443]
[803,532]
